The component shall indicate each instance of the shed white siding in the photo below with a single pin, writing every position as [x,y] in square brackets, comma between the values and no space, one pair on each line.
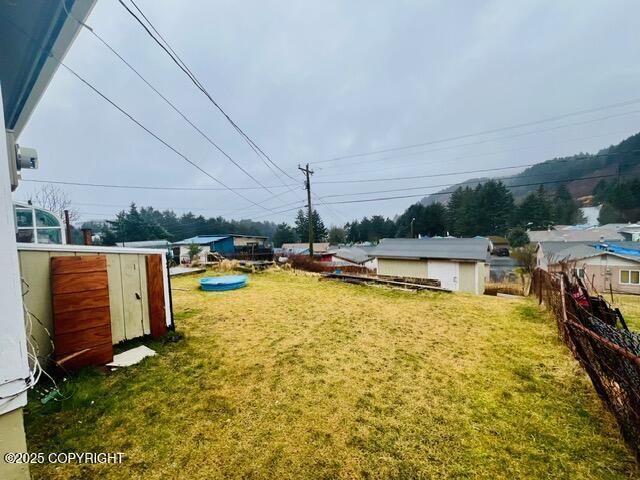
[455,275]
[395,267]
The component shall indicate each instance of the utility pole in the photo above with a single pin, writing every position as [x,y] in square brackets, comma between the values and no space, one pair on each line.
[307,185]
[67,227]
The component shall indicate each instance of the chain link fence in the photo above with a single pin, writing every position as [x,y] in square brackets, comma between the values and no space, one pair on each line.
[610,355]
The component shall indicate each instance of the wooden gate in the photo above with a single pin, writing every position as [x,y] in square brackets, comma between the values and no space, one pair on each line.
[81,312]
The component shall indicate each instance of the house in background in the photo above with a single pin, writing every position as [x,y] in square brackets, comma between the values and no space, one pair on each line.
[248,247]
[458,263]
[603,267]
[631,233]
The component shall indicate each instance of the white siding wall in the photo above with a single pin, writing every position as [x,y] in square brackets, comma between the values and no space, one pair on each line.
[13,339]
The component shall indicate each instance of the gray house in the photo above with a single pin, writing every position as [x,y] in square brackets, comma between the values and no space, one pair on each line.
[459,263]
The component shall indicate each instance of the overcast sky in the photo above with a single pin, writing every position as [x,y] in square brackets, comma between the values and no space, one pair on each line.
[309,81]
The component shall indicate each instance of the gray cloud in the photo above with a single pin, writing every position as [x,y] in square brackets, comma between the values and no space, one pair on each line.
[309,81]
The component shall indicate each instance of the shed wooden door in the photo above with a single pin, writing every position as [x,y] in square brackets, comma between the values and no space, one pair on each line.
[81,313]
[155,293]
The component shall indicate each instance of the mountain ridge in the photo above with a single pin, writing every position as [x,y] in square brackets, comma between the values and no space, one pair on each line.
[583,172]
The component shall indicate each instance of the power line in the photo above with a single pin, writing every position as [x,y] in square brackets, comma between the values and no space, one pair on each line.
[148,187]
[472,182]
[465,172]
[133,119]
[365,200]
[154,135]
[166,100]
[483,132]
[422,161]
[185,69]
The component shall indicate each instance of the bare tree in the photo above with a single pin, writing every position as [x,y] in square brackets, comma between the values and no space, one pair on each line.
[53,198]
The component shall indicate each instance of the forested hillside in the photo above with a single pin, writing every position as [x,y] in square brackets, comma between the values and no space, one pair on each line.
[580,173]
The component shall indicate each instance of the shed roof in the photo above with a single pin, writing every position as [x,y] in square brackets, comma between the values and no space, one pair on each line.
[445,248]
[145,244]
[352,254]
[202,239]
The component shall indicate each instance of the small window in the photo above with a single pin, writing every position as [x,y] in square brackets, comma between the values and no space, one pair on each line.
[45,219]
[630,277]
[579,272]
[24,217]
[49,235]
[25,235]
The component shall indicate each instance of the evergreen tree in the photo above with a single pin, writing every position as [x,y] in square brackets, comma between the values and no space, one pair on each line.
[461,213]
[536,210]
[518,237]
[565,208]
[493,208]
[108,237]
[609,214]
[337,235]
[353,231]
[284,233]
[430,220]
[302,226]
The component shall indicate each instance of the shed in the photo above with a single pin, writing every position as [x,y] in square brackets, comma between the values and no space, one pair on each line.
[459,263]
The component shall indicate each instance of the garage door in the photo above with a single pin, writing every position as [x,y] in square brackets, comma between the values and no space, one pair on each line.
[445,271]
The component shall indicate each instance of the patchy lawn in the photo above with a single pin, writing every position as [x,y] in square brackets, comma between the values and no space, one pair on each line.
[296,378]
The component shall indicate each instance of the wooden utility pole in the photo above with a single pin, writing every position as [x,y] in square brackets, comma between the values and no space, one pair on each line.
[67,224]
[307,185]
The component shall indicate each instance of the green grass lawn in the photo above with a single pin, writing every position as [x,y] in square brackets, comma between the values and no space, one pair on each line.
[629,305]
[291,377]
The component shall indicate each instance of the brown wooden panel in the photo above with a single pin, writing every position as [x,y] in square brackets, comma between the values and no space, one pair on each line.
[82,282]
[81,311]
[74,341]
[96,355]
[155,294]
[78,264]
[75,321]
[70,302]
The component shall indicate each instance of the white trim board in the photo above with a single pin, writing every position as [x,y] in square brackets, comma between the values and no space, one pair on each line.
[52,247]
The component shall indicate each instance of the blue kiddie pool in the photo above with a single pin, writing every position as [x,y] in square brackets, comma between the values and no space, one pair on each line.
[220,284]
